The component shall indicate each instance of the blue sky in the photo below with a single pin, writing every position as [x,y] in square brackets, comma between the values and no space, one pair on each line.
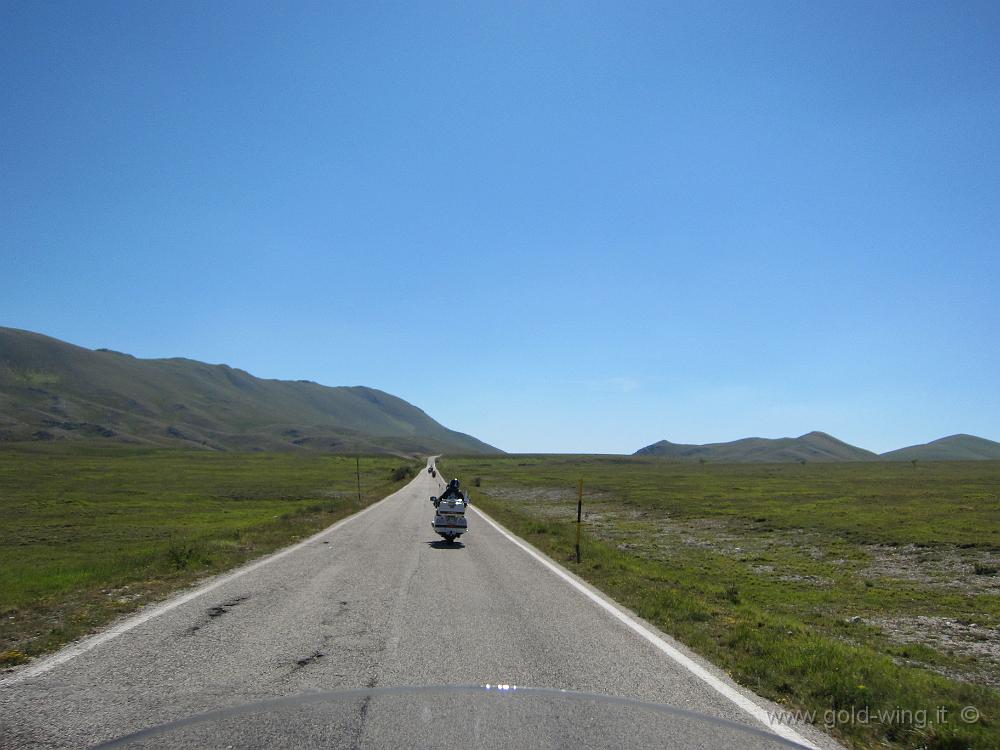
[561,227]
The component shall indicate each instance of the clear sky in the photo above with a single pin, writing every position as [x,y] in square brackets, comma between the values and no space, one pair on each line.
[561,227]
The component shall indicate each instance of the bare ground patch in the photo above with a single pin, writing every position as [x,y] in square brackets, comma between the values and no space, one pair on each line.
[966,639]
[941,566]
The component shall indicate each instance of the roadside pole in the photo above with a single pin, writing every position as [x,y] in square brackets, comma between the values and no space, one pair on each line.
[579,519]
[357,471]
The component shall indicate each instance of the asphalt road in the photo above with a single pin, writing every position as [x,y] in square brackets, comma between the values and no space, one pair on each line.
[379,602]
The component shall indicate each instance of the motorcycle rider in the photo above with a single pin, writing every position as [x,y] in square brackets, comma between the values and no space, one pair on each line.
[453,491]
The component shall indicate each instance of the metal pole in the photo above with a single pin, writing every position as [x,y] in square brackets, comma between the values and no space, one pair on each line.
[579,519]
[357,470]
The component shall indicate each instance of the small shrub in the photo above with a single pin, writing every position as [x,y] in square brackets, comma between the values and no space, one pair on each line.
[477,481]
[12,657]
[181,555]
[697,615]
[401,473]
[982,569]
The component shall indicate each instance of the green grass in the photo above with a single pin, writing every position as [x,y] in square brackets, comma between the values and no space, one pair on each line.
[823,587]
[90,534]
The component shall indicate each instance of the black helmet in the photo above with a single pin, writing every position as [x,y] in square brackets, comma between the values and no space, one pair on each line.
[453,484]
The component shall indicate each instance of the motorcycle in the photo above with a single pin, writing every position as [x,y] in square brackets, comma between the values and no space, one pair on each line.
[449,517]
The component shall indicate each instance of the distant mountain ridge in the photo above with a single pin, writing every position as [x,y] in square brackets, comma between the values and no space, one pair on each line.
[52,390]
[818,446]
[813,446]
[952,448]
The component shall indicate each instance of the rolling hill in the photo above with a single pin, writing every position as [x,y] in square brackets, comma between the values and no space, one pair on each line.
[52,390]
[813,446]
[951,448]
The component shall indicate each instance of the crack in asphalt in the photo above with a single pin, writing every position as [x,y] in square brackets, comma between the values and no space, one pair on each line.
[221,609]
[310,659]
[363,714]
[216,611]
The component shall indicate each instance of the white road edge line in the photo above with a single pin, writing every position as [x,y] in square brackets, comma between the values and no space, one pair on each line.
[87,644]
[727,691]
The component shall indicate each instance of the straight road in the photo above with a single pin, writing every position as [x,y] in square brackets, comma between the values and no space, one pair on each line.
[375,602]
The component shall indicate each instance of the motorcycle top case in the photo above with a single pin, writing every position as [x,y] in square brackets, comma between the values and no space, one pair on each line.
[452,505]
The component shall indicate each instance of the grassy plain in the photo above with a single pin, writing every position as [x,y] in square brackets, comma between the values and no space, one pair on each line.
[88,534]
[825,587]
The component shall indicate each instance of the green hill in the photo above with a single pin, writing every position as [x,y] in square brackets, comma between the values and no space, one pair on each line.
[951,448]
[52,390]
[813,446]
